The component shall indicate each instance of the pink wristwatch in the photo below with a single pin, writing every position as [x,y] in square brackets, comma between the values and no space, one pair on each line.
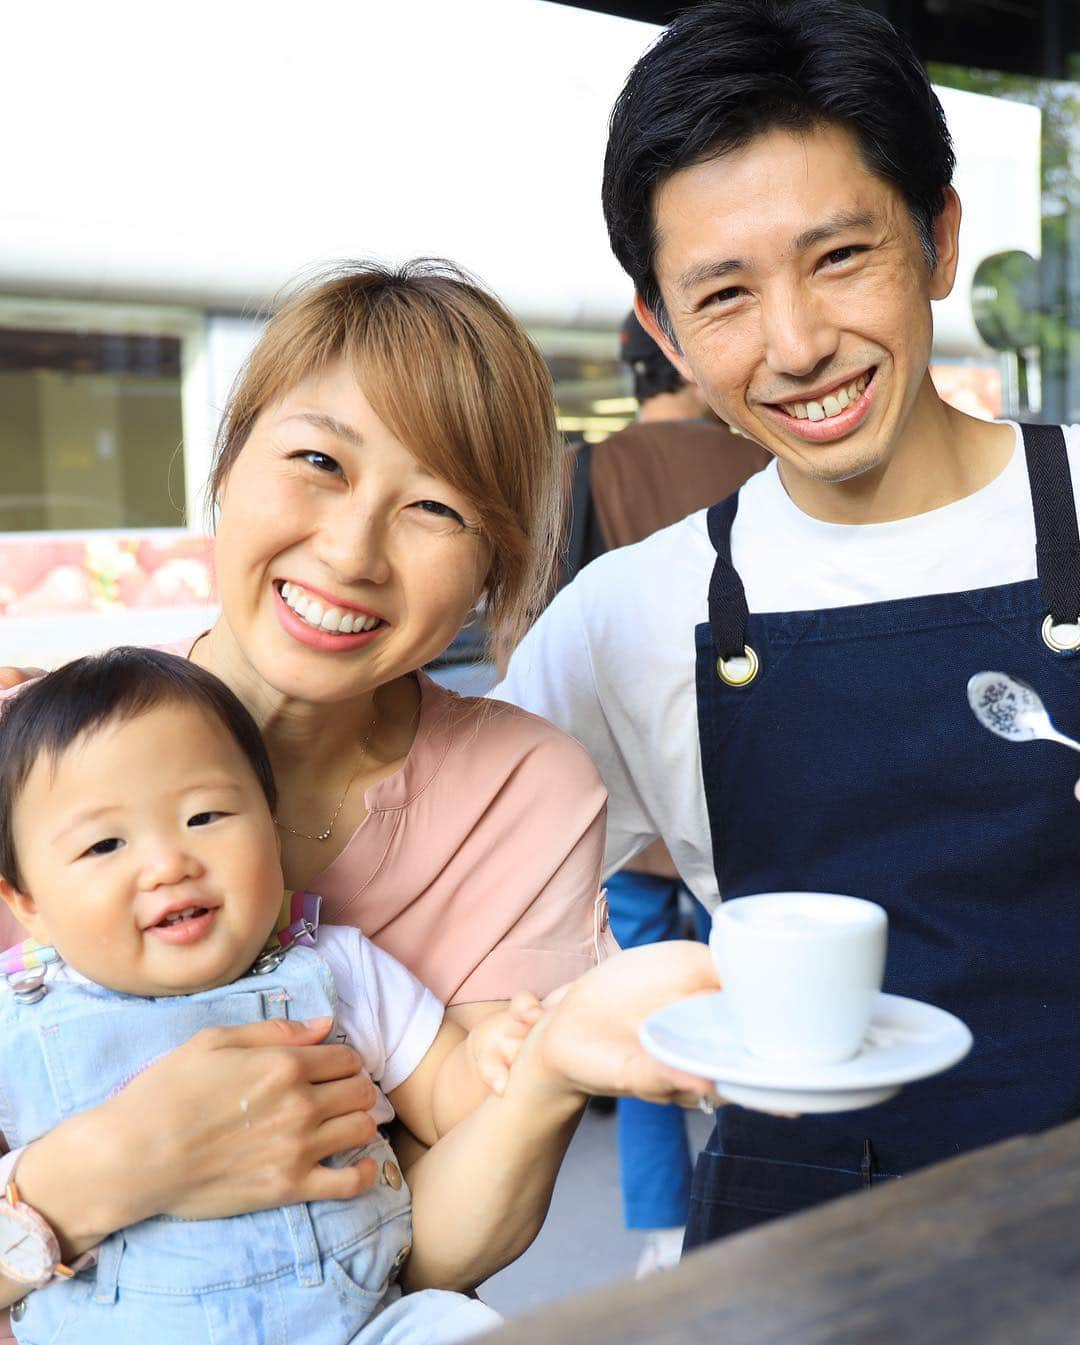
[29,1251]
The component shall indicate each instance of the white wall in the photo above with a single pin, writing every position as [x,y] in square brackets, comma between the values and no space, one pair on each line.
[998,147]
[47,642]
[207,152]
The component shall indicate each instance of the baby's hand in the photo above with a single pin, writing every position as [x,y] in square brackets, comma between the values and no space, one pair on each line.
[495,1042]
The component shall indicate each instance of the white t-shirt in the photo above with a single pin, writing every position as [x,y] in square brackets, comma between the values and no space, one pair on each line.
[388,1017]
[612,660]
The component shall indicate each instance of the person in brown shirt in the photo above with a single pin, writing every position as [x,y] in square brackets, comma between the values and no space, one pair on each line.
[675,459]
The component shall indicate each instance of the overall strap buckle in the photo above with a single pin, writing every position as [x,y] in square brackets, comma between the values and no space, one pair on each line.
[298,922]
[25,967]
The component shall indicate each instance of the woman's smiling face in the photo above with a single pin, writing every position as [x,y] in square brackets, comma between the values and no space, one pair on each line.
[342,562]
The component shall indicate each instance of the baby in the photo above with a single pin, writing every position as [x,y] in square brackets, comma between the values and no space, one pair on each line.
[138,847]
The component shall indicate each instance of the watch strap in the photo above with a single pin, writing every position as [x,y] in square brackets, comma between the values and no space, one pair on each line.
[29,1250]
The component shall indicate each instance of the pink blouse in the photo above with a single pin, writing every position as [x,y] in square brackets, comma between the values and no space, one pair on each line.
[479,862]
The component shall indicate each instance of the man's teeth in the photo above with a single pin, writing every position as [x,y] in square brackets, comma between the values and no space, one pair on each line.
[177,916]
[828,406]
[333,619]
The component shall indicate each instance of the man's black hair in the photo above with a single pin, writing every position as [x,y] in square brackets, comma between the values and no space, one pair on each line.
[726,72]
[46,717]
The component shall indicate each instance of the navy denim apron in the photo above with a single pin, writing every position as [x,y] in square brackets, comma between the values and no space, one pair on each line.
[852,763]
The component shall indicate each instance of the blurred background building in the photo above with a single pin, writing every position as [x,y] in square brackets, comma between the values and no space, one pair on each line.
[168,171]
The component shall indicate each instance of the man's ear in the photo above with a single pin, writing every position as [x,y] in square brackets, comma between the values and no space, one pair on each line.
[24,908]
[945,229]
[648,320]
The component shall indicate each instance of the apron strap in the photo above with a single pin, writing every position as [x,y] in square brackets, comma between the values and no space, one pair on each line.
[1057,545]
[1057,539]
[728,613]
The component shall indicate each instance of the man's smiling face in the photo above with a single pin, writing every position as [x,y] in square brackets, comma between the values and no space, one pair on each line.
[799,295]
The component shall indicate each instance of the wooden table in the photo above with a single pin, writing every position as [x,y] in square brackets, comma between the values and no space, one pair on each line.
[981,1250]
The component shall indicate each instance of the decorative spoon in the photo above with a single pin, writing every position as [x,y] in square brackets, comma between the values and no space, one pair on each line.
[1010,708]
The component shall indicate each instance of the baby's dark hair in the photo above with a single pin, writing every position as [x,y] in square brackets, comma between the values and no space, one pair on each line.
[47,716]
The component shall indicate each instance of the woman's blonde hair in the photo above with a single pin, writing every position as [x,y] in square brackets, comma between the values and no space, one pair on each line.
[455,378]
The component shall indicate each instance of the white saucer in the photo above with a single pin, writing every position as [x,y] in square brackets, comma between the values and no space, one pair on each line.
[906,1040]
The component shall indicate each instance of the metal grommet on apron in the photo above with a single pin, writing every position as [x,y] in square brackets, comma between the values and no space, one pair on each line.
[737,665]
[1057,540]
[739,671]
[1063,637]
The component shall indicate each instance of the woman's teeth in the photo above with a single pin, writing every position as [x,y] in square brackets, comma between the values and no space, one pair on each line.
[332,619]
[829,406]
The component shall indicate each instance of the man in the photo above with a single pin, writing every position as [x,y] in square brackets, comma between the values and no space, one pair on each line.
[674,459]
[777,686]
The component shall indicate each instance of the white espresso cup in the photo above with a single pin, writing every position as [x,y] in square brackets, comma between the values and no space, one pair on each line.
[800,972]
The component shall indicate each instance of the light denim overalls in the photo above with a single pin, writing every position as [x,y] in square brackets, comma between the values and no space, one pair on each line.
[322,1273]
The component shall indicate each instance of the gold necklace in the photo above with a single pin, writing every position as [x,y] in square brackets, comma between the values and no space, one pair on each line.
[324,835]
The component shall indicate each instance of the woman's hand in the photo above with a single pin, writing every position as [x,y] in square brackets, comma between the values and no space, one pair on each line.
[239,1118]
[13,677]
[480,1194]
[588,1042]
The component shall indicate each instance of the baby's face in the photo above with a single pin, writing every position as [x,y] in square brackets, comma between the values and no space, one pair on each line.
[148,854]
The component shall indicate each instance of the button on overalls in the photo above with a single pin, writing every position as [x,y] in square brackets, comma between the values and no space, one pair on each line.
[851,763]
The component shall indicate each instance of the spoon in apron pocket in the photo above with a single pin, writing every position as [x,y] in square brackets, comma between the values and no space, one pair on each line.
[1010,708]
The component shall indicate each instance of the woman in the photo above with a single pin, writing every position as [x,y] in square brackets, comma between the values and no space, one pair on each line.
[388,465]
[346,561]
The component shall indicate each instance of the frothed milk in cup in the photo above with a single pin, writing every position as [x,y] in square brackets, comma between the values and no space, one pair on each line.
[800,972]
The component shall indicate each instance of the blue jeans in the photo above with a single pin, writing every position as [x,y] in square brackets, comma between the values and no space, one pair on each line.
[654,1154]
